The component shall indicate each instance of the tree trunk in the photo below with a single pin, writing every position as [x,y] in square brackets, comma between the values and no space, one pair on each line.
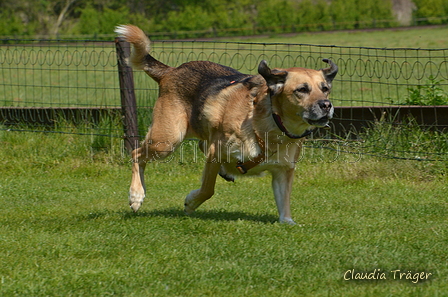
[61,16]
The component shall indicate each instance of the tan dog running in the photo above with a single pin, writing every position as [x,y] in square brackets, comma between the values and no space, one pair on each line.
[247,124]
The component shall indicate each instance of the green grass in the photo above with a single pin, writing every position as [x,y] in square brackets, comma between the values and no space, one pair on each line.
[389,38]
[66,229]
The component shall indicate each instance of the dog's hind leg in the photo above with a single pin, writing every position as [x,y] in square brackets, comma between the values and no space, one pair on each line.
[137,190]
[199,196]
[164,136]
[222,171]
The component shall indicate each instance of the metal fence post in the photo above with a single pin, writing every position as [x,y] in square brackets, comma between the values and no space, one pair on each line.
[127,94]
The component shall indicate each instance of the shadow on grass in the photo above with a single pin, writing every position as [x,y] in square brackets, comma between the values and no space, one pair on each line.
[213,215]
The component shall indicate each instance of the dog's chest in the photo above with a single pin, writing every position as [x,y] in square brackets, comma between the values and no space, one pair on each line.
[258,158]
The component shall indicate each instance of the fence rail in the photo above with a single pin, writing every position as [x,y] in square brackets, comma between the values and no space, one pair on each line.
[354,118]
[66,82]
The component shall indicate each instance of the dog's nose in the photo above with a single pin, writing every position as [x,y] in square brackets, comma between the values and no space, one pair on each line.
[325,105]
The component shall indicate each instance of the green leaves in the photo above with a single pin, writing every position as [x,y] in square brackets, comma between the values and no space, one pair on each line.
[430,93]
[209,17]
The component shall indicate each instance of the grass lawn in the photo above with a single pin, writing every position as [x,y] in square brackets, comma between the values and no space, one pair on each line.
[417,37]
[66,229]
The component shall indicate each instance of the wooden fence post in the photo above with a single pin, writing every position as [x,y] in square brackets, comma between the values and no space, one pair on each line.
[127,94]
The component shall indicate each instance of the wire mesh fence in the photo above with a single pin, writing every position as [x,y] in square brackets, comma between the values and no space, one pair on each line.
[57,85]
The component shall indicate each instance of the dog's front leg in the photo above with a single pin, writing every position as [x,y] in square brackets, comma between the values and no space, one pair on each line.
[282,185]
[199,196]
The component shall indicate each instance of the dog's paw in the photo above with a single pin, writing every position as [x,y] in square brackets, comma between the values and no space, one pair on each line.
[287,221]
[136,200]
[191,202]
[188,210]
[135,206]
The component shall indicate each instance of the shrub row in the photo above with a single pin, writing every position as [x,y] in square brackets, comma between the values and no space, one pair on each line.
[225,18]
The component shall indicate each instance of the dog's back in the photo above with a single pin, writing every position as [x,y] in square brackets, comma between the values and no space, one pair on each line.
[189,85]
[187,75]
[197,78]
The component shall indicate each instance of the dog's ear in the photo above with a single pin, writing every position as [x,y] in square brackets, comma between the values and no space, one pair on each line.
[275,79]
[331,71]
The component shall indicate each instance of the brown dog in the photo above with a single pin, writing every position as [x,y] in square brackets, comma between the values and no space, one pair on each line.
[247,124]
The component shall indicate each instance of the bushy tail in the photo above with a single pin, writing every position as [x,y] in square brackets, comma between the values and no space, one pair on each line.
[140,57]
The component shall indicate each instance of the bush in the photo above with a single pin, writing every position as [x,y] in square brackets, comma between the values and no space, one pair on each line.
[351,14]
[428,94]
[210,16]
[191,18]
[435,9]
[314,16]
[10,24]
[276,15]
[93,21]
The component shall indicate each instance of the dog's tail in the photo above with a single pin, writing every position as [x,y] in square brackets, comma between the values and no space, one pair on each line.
[140,57]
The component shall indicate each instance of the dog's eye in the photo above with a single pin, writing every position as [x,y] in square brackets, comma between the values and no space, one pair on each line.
[325,89]
[303,89]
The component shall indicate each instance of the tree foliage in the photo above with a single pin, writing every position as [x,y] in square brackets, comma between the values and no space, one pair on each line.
[432,8]
[23,17]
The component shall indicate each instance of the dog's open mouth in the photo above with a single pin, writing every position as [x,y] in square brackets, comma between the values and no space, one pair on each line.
[322,122]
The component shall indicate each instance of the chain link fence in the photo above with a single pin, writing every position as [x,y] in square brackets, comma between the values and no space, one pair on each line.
[73,86]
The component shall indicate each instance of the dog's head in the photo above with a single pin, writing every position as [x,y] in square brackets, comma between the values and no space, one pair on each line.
[300,95]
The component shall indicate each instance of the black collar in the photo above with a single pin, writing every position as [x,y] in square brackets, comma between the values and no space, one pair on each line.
[282,128]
